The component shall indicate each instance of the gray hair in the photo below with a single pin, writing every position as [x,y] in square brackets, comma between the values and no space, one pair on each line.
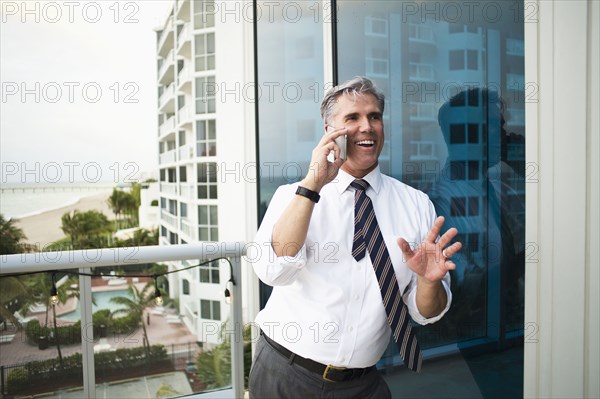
[358,85]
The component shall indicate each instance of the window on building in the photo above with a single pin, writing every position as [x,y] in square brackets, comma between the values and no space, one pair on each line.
[472,60]
[207,180]
[206,90]
[457,133]
[457,60]
[457,170]
[185,287]
[204,52]
[208,222]
[209,273]
[473,133]
[206,138]
[204,14]
[210,310]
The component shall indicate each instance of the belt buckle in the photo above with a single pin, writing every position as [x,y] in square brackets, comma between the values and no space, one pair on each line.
[330,367]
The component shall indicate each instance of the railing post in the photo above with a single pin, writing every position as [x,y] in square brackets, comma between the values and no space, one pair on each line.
[2,380]
[237,343]
[87,334]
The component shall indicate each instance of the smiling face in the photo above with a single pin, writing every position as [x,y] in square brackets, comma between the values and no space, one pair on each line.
[361,116]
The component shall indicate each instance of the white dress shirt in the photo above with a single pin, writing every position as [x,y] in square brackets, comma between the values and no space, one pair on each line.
[325,305]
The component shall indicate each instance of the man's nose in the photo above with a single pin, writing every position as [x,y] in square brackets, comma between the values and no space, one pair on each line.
[364,124]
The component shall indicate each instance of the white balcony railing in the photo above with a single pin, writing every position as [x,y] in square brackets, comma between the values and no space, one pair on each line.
[167,62]
[425,112]
[189,229]
[168,217]
[421,33]
[84,260]
[186,152]
[167,126]
[187,190]
[167,31]
[167,94]
[185,75]
[192,317]
[184,35]
[421,72]
[168,188]
[184,114]
[168,157]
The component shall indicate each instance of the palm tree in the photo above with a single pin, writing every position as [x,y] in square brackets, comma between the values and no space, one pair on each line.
[135,304]
[86,229]
[11,289]
[40,285]
[11,237]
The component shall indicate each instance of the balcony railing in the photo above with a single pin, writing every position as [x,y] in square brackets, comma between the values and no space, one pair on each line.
[168,217]
[167,126]
[189,229]
[167,94]
[421,72]
[168,62]
[108,258]
[186,152]
[184,114]
[168,157]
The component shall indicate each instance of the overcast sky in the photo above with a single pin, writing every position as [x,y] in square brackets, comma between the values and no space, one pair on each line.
[79,94]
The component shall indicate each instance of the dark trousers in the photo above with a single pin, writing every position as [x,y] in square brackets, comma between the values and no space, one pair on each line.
[273,376]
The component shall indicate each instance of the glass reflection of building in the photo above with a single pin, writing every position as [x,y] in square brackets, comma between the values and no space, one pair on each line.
[421,54]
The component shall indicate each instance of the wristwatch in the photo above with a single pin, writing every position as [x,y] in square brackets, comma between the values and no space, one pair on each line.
[310,194]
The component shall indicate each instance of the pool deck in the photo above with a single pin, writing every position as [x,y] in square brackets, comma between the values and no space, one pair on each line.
[160,331]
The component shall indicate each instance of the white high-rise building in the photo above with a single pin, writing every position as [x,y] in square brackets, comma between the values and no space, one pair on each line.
[206,153]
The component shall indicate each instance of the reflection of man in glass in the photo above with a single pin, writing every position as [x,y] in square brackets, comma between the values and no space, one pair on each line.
[480,192]
[327,322]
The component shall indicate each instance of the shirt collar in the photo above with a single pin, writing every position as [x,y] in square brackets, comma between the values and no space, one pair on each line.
[344,179]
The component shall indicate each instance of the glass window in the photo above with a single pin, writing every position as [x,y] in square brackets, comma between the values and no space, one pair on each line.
[185,287]
[210,310]
[204,52]
[457,59]
[291,89]
[207,180]
[447,82]
[209,273]
[206,138]
[204,14]
[208,223]
[206,90]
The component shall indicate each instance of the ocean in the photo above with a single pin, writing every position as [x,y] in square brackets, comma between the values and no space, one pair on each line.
[21,200]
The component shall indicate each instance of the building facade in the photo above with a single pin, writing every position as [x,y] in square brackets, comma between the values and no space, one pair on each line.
[205,153]
[470,89]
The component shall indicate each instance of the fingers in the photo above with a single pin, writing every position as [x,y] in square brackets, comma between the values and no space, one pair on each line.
[331,135]
[435,229]
[405,247]
[447,237]
[451,250]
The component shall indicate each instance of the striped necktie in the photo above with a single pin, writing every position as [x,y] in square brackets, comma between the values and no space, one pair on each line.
[367,236]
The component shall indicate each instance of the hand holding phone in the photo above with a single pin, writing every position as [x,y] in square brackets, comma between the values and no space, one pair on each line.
[340,141]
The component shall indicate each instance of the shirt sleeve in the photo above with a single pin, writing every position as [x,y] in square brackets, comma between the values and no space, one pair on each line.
[410,298]
[271,269]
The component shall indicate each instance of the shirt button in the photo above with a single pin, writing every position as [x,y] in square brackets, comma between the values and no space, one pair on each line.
[350,328]
[356,297]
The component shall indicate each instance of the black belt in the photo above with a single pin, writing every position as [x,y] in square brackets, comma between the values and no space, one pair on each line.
[329,373]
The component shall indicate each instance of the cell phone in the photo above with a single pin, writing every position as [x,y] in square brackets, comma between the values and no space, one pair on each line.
[341,142]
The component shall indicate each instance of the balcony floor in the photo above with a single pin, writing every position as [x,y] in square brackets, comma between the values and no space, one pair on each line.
[492,375]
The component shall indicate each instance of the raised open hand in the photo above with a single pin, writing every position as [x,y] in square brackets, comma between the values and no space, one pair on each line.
[430,260]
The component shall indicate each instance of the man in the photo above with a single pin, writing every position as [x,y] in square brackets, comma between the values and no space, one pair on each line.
[327,321]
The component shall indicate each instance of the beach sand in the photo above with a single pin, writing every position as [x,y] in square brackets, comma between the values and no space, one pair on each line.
[44,228]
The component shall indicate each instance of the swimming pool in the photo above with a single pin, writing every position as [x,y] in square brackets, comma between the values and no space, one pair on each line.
[101,301]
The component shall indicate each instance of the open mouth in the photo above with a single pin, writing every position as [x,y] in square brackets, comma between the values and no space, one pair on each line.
[365,143]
